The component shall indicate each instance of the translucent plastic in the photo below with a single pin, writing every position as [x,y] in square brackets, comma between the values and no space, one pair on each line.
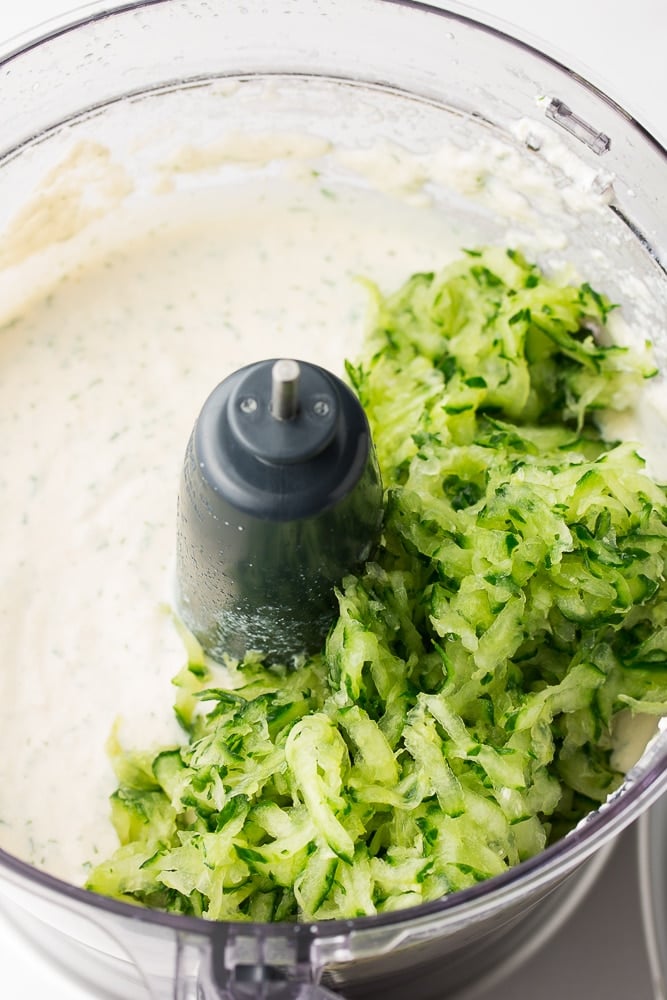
[150,78]
[652,870]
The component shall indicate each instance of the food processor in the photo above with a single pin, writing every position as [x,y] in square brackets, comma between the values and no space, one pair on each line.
[144,80]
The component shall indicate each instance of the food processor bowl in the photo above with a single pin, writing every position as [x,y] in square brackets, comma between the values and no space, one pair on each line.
[505,142]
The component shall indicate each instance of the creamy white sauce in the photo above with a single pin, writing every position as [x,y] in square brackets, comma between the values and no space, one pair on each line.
[100,383]
[101,380]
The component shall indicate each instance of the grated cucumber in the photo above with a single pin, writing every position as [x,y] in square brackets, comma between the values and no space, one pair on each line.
[461,716]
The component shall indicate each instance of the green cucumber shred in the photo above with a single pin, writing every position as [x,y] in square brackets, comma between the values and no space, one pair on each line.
[462,714]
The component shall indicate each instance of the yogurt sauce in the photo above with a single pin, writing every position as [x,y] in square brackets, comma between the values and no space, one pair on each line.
[100,383]
[101,380]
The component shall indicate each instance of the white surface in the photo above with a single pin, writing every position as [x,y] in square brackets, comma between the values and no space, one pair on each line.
[26,975]
[620,47]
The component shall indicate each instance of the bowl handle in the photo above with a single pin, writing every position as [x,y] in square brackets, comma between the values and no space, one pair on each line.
[275,991]
[241,965]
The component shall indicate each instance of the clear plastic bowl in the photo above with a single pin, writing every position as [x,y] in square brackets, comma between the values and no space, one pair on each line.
[147,78]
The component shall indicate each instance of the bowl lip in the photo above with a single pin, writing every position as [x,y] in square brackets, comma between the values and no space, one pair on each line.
[560,858]
[542,870]
[96,10]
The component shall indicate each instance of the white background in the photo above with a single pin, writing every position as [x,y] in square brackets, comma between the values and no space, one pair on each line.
[619,46]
